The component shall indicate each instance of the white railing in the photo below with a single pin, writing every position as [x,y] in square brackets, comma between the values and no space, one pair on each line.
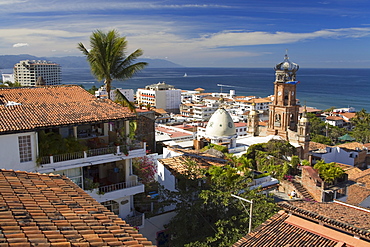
[101,151]
[68,156]
[118,186]
[91,152]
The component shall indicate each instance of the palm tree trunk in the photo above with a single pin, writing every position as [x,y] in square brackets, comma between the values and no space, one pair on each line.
[107,83]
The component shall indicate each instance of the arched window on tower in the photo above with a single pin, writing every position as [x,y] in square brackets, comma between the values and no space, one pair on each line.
[286,97]
[277,120]
[292,124]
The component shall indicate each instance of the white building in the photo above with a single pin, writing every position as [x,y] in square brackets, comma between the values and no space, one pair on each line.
[69,114]
[221,130]
[102,93]
[8,77]
[160,95]
[32,73]
[352,153]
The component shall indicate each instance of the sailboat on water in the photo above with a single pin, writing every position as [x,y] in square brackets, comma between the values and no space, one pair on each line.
[185,75]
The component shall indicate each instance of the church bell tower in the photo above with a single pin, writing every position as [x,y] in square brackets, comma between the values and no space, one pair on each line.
[284,110]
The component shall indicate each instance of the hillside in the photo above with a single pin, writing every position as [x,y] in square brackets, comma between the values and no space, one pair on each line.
[8,61]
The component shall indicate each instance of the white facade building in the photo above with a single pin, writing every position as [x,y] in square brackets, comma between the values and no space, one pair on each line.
[102,93]
[160,95]
[8,77]
[67,113]
[32,73]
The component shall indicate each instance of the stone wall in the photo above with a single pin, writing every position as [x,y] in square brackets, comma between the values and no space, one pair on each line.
[311,184]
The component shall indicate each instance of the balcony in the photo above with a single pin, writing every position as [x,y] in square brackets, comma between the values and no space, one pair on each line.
[100,155]
[136,220]
[118,190]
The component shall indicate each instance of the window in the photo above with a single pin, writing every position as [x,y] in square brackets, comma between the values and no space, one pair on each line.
[25,150]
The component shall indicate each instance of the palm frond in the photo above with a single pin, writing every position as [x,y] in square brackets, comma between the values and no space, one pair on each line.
[107,57]
[121,99]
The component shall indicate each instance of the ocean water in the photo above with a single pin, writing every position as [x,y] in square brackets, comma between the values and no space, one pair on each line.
[320,88]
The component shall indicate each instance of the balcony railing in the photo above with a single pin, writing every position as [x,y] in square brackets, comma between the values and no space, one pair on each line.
[118,186]
[136,220]
[91,153]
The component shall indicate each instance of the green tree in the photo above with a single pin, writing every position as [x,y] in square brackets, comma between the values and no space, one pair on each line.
[121,99]
[11,84]
[322,139]
[210,209]
[329,172]
[107,57]
[334,132]
[317,126]
[361,130]
[271,157]
[93,89]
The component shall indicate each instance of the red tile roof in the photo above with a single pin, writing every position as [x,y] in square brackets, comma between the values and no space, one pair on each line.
[312,224]
[334,118]
[351,219]
[240,124]
[356,194]
[352,146]
[54,106]
[276,232]
[312,146]
[50,210]
[177,165]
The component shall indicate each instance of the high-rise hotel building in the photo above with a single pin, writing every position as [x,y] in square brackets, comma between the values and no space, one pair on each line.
[160,95]
[37,72]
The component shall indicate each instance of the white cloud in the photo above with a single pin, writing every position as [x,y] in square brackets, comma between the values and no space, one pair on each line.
[20,45]
[229,39]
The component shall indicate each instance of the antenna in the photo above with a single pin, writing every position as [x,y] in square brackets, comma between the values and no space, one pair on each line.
[222,85]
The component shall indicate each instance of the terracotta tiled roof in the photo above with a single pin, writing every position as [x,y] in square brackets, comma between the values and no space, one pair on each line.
[334,118]
[312,172]
[364,178]
[308,109]
[316,146]
[312,224]
[360,174]
[240,124]
[356,194]
[348,115]
[277,232]
[178,165]
[54,106]
[352,146]
[51,210]
[159,110]
[347,218]
[353,172]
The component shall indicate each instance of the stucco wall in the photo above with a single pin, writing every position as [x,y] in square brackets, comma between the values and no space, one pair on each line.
[9,152]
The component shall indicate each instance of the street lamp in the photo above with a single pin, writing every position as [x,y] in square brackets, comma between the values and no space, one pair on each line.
[250,209]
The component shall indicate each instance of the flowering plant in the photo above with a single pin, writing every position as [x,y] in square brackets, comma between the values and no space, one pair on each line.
[145,168]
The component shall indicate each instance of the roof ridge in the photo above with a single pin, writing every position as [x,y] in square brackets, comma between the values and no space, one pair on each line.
[329,221]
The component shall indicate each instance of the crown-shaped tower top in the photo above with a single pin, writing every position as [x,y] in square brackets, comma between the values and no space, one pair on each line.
[286,70]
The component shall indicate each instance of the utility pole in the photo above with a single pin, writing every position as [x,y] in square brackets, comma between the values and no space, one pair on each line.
[250,209]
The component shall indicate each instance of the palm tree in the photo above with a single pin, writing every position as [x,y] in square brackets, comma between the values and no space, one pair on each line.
[107,57]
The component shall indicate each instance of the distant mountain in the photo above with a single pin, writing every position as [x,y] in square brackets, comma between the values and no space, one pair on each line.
[8,61]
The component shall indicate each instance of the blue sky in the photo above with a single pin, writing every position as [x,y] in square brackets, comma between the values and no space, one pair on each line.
[202,33]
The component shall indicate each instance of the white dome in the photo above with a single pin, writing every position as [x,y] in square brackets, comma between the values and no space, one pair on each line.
[303,120]
[220,124]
